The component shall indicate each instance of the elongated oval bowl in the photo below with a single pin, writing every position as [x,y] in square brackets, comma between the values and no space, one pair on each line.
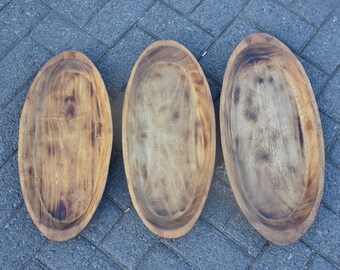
[65,142]
[168,137]
[271,138]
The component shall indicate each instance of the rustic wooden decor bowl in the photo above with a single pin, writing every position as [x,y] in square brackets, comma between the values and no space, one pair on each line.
[168,137]
[65,142]
[271,138]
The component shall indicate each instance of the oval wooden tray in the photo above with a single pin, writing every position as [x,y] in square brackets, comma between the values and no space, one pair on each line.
[65,142]
[271,138]
[168,138]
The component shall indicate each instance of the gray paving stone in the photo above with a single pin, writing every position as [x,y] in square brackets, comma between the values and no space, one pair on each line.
[324,235]
[295,256]
[107,214]
[239,229]
[163,258]
[76,253]
[313,10]
[215,60]
[7,39]
[9,125]
[20,15]
[116,187]
[329,99]
[316,76]
[10,192]
[280,22]
[220,204]
[329,128]
[3,3]
[286,3]
[19,65]
[215,88]
[114,19]
[183,6]
[206,248]
[129,240]
[165,24]
[79,12]
[222,12]
[320,263]
[57,35]
[324,48]
[35,265]
[118,62]
[19,240]
[335,153]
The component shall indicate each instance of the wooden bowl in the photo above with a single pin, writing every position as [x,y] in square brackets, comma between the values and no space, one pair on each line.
[65,142]
[271,138]
[168,138]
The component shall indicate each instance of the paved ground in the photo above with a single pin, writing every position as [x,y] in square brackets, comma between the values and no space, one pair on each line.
[113,34]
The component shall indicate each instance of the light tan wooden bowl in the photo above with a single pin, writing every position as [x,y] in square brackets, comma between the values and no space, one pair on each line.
[168,138]
[65,142]
[271,138]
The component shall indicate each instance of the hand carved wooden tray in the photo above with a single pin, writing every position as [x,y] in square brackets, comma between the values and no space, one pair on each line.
[65,144]
[272,138]
[168,136]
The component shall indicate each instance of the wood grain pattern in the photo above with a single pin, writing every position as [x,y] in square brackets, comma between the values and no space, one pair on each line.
[271,138]
[65,142]
[168,138]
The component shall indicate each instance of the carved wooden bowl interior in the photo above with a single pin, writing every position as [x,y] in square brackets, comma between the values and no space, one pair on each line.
[272,138]
[168,136]
[65,142]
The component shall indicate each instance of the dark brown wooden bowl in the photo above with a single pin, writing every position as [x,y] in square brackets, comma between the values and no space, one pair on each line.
[271,138]
[168,138]
[65,142]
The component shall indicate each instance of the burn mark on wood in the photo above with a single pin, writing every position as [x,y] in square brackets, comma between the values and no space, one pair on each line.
[60,212]
[259,80]
[236,95]
[263,156]
[99,128]
[175,116]
[30,172]
[270,79]
[70,111]
[143,135]
[144,171]
[187,94]
[70,99]
[300,131]
[93,133]
[250,115]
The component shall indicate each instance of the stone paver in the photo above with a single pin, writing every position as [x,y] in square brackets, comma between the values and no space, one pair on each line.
[164,23]
[324,235]
[76,253]
[113,20]
[113,34]
[286,26]
[294,256]
[207,248]
[222,11]
[58,35]
[324,49]
[19,240]
[162,257]
[129,240]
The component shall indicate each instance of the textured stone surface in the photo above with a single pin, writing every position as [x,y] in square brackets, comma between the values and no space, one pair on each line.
[76,253]
[183,6]
[114,19]
[10,193]
[324,235]
[165,24]
[129,240]
[117,64]
[280,22]
[163,258]
[7,39]
[35,265]
[329,99]
[329,128]
[335,153]
[295,256]
[106,216]
[222,11]
[58,35]
[325,45]
[206,248]
[239,229]
[20,15]
[320,263]
[19,240]
[78,11]
[19,65]
[314,11]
